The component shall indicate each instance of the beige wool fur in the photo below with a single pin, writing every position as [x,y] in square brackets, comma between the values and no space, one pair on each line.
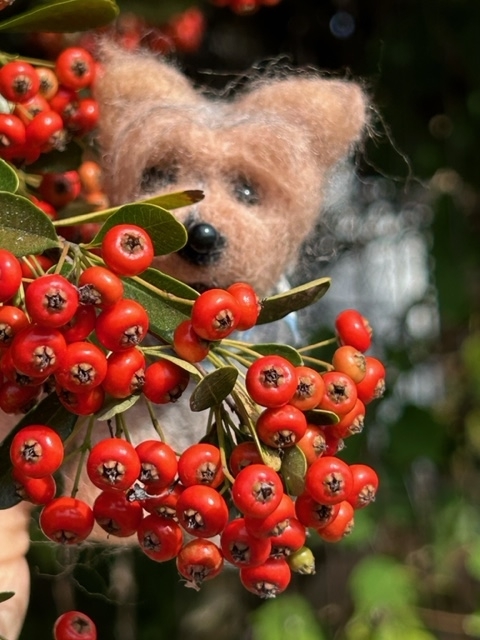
[278,139]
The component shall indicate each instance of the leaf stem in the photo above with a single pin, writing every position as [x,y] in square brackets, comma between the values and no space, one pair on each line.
[221,444]
[155,422]
[320,363]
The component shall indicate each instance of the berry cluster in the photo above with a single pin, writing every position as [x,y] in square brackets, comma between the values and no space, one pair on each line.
[266,471]
[47,105]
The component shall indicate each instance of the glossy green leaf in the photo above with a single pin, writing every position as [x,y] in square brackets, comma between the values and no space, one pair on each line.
[8,177]
[214,388]
[271,457]
[164,317]
[167,234]
[293,470]
[58,161]
[284,350]
[114,406]
[62,15]
[183,364]
[24,228]
[49,412]
[171,285]
[6,595]
[280,305]
[177,200]
[321,417]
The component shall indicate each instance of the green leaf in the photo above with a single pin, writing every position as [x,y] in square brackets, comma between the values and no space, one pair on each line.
[171,285]
[271,457]
[167,234]
[293,470]
[164,316]
[8,177]
[50,412]
[283,350]
[321,417]
[176,200]
[58,161]
[280,305]
[6,595]
[24,228]
[214,388]
[113,406]
[62,15]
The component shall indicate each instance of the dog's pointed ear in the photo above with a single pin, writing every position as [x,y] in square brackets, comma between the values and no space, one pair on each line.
[333,112]
[127,80]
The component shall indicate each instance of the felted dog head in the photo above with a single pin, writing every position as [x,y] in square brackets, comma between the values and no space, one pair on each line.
[262,160]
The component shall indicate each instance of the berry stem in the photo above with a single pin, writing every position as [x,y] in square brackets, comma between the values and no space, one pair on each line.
[317,345]
[86,446]
[155,422]
[221,443]
[320,363]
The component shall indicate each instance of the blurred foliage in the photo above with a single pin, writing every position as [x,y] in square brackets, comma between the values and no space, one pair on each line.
[411,569]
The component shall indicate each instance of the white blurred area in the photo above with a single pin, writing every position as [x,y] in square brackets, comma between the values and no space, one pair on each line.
[373,241]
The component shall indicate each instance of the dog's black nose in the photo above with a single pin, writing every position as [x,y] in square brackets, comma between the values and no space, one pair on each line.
[205,244]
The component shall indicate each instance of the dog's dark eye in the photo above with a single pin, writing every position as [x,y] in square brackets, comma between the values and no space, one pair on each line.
[245,192]
[158,177]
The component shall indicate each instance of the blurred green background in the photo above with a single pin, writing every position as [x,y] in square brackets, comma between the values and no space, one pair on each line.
[402,244]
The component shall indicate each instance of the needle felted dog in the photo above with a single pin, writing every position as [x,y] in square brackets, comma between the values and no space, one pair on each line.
[263,160]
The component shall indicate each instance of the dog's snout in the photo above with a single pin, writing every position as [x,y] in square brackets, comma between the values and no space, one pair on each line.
[205,244]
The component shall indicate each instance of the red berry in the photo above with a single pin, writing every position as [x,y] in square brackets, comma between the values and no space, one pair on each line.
[353,329]
[201,464]
[75,68]
[365,485]
[313,444]
[36,450]
[215,314]
[125,373]
[12,132]
[329,480]
[10,275]
[117,515]
[275,522]
[188,344]
[12,320]
[99,286]
[241,548]
[165,382]
[122,325]
[60,188]
[66,520]
[242,455]
[164,503]
[290,539]
[202,511]
[310,389]
[267,580]
[51,300]
[340,393]
[158,464]
[314,514]
[341,526]
[372,386]
[249,304]
[38,351]
[74,625]
[38,491]
[127,249]
[113,463]
[83,367]
[18,81]
[271,381]
[160,538]
[199,560]
[257,490]
[351,361]
[281,427]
